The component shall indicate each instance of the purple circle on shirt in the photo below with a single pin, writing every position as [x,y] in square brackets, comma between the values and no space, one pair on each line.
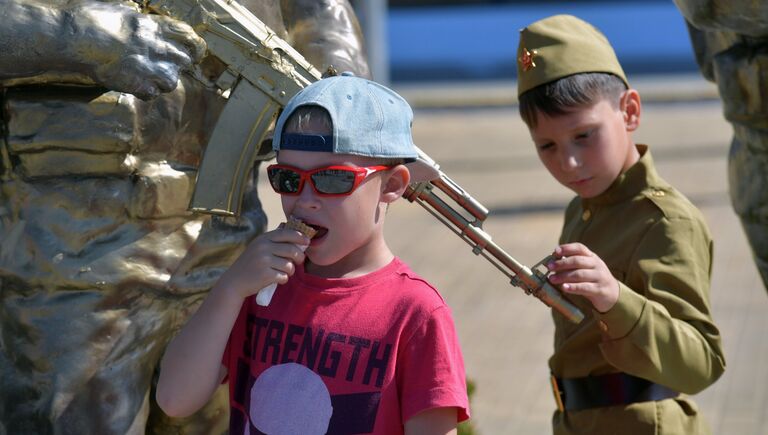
[289,399]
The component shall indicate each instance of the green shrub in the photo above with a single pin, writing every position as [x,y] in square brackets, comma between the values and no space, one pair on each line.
[466,428]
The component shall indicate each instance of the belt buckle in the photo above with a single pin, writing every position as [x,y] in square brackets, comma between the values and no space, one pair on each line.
[557,393]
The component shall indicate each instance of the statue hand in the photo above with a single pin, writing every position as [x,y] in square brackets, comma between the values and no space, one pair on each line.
[125,50]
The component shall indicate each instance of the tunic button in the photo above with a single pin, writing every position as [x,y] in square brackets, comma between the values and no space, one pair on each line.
[603,326]
[658,193]
[586,215]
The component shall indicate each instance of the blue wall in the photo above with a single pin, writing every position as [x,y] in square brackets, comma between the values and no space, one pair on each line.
[479,42]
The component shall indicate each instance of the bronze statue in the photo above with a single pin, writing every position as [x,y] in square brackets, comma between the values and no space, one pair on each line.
[105,115]
[730,40]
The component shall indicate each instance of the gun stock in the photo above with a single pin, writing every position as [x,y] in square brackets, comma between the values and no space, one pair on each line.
[532,281]
[263,73]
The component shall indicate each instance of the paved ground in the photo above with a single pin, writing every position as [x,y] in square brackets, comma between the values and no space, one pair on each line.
[507,336]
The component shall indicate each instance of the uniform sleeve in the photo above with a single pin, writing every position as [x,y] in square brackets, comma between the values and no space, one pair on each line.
[661,328]
[431,369]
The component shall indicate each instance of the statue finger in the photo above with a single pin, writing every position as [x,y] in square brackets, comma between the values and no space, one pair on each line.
[167,76]
[182,34]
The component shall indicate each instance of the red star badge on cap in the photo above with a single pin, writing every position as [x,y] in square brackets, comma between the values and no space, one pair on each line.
[526,59]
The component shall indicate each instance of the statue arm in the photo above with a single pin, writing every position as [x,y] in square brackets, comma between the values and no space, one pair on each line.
[92,42]
[746,17]
[29,40]
[326,33]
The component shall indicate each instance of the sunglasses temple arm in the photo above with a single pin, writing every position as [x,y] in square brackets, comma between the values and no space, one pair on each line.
[467,224]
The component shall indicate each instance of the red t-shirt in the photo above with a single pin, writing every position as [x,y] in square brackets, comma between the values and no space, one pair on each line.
[344,356]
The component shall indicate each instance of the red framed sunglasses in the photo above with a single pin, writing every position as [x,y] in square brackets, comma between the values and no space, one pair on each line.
[337,180]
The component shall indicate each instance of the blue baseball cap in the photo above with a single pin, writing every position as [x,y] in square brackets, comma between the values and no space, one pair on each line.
[368,119]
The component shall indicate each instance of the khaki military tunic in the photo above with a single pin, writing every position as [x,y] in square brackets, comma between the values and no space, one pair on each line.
[657,245]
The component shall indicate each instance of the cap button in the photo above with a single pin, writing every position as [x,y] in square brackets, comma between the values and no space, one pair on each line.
[347,74]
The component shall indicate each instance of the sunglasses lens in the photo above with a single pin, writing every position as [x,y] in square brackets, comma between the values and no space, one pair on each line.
[333,181]
[284,180]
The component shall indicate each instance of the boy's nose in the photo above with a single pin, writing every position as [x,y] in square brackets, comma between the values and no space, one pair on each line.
[569,161]
[307,197]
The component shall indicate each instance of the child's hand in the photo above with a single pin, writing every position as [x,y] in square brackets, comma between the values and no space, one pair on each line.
[269,258]
[577,270]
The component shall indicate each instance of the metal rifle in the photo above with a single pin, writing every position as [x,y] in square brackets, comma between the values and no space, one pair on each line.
[262,73]
[469,228]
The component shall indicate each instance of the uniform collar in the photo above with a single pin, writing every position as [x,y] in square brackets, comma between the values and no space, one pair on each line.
[630,183]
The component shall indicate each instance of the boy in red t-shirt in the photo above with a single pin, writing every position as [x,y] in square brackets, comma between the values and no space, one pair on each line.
[353,340]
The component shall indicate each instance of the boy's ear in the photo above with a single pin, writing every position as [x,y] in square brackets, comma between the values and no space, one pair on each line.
[631,108]
[395,183]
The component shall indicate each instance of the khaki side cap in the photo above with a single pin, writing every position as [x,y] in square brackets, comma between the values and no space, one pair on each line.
[560,46]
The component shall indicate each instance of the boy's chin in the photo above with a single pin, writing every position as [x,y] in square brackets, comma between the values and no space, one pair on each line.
[317,261]
[587,192]
[587,195]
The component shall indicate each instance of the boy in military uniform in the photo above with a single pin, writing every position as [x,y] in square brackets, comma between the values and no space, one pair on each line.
[634,253]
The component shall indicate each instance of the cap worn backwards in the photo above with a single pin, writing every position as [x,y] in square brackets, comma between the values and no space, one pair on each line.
[560,46]
[368,119]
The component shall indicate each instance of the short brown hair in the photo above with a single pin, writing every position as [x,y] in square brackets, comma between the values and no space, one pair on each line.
[560,96]
[303,115]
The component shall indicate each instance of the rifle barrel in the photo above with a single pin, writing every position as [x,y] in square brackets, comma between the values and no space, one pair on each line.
[481,243]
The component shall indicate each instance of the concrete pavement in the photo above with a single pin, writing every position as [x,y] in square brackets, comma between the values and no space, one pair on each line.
[507,336]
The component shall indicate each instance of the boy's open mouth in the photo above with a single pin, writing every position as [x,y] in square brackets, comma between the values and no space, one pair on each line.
[321,231]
